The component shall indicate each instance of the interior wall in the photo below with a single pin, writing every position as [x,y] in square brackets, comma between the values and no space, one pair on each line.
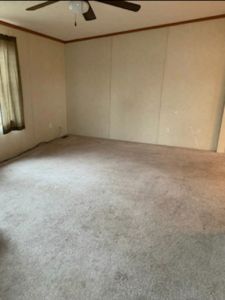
[136,84]
[162,86]
[221,143]
[194,86]
[88,82]
[43,82]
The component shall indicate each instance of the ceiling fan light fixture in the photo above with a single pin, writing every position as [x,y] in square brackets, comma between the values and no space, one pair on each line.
[78,7]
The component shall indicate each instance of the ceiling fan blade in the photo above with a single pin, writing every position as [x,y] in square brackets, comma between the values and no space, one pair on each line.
[41,5]
[122,4]
[89,15]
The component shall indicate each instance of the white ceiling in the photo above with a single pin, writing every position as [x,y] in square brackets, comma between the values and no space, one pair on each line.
[56,20]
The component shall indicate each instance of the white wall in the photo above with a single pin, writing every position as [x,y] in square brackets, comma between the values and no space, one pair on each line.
[89,83]
[194,85]
[43,82]
[221,143]
[136,83]
[162,86]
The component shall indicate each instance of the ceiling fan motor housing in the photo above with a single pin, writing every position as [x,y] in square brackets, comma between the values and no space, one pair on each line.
[78,7]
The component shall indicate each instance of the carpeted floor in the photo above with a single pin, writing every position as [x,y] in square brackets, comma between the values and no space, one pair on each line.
[91,219]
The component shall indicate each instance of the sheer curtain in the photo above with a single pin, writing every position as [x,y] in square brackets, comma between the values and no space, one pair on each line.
[11,102]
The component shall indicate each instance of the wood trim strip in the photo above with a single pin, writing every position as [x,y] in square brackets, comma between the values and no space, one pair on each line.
[113,33]
[147,28]
[30,31]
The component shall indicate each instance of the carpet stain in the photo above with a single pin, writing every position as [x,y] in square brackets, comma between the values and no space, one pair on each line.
[120,277]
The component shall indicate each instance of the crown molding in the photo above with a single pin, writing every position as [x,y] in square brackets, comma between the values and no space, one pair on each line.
[30,31]
[147,28]
[113,33]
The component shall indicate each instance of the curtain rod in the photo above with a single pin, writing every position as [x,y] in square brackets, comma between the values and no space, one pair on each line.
[7,37]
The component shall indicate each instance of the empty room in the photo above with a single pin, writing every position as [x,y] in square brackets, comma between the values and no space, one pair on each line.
[112,150]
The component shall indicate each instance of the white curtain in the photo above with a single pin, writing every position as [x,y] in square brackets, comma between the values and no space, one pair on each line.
[11,102]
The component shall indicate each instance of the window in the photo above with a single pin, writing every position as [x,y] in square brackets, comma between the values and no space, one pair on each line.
[11,102]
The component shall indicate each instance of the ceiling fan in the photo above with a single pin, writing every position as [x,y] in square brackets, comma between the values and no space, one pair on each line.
[84,7]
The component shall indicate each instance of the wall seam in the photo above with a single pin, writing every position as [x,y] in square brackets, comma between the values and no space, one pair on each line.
[31,91]
[162,85]
[110,88]
[66,93]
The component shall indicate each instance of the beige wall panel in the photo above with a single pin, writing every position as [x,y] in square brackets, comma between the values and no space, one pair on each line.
[41,107]
[88,66]
[221,143]
[192,97]
[137,73]
[193,91]
[48,88]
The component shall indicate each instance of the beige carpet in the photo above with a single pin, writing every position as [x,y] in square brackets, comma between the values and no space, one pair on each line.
[94,219]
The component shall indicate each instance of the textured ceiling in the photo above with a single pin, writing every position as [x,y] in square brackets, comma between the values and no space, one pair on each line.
[56,20]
